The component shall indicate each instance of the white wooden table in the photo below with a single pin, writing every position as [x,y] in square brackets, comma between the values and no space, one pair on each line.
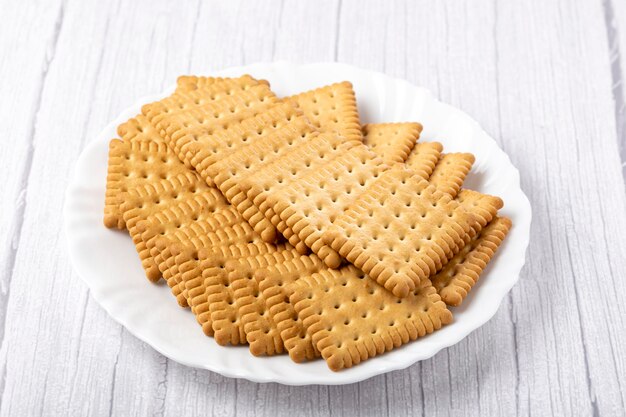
[545,78]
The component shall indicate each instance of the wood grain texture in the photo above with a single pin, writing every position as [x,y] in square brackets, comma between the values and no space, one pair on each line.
[539,76]
[615,21]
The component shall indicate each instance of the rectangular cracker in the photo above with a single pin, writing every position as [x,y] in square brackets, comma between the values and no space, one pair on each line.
[450,172]
[400,230]
[227,277]
[269,320]
[271,161]
[192,237]
[271,178]
[228,172]
[153,197]
[309,204]
[352,319]
[141,157]
[392,142]
[331,108]
[460,274]
[423,158]
[190,262]
[483,207]
[185,125]
[184,103]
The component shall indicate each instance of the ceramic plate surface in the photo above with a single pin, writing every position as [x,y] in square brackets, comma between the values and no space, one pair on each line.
[106,260]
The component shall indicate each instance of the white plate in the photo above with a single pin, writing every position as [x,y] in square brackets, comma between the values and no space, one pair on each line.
[106,260]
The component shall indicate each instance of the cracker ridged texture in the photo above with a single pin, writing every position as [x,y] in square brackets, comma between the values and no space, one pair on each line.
[423,158]
[313,152]
[142,202]
[450,172]
[331,108]
[459,275]
[226,277]
[141,157]
[272,282]
[190,264]
[230,171]
[392,142]
[400,231]
[185,120]
[352,319]
[191,239]
[309,204]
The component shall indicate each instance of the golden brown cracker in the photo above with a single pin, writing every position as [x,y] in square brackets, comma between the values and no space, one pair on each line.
[309,204]
[460,274]
[228,173]
[141,157]
[153,197]
[185,130]
[270,322]
[192,264]
[331,108]
[352,319]
[228,276]
[450,172]
[189,83]
[483,207]
[400,230]
[423,158]
[267,164]
[183,102]
[393,142]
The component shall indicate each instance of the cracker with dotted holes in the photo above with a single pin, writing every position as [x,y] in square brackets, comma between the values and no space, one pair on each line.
[459,275]
[400,230]
[185,103]
[239,233]
[273,177]
[310,203]
[483,207]
[231,168]
[269,321]
[190,264]
[143,154]
[188,83]
[423,158]
[153,197]
[270,162]
[194,224]
[393,142]
[141,157]
[352,319]
[331,108]
[184,124]
[450,172]
[225,275]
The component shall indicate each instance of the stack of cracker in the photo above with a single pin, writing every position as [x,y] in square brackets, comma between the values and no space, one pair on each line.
[285,224]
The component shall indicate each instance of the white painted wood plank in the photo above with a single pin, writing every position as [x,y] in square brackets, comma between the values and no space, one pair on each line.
[615,19]
[25,53]
[561,133]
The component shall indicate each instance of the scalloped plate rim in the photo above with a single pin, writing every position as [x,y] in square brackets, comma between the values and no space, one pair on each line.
[387,361]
